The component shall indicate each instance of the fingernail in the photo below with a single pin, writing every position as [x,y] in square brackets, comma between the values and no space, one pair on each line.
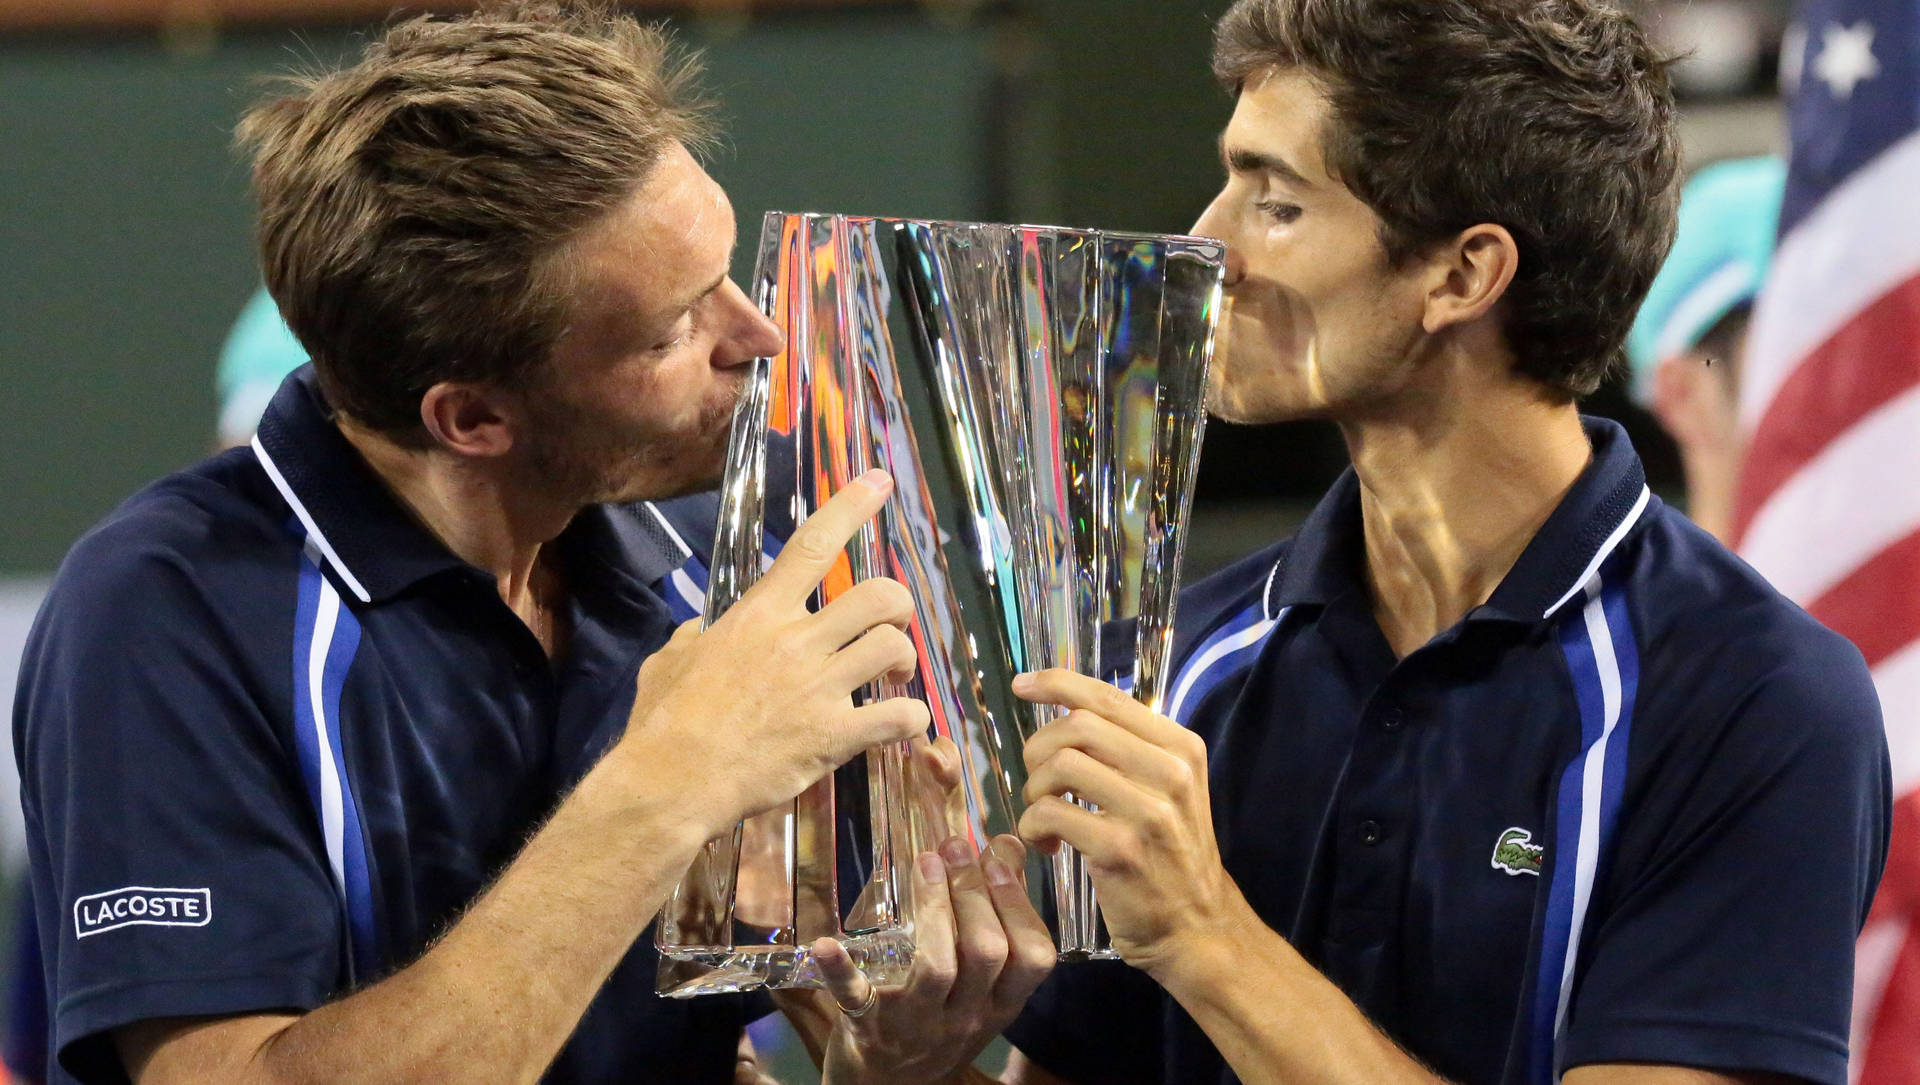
[997,872]
[1022,683]
[931,868]
[876,479]
[956,852]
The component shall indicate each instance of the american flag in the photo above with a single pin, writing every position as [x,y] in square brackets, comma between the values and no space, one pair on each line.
[1829,498]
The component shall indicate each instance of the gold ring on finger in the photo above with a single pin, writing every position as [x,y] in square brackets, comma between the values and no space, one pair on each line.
[866,1006]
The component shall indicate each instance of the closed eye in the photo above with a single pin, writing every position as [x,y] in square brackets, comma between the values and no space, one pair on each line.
[677,334]
[1282,213]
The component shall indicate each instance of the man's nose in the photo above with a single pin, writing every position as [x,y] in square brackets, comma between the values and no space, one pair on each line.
[1214,223]
[752,335]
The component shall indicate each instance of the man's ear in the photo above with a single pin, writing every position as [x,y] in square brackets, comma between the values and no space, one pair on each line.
[1471,275]
[467,419]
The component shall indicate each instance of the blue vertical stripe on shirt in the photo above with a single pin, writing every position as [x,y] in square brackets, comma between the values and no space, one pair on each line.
[326,636]
[1603,661]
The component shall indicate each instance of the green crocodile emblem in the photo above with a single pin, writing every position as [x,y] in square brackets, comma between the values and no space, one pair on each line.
[1516,853]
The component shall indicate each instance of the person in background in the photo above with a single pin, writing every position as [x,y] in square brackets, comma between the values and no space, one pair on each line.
[258,354]
[1686,345]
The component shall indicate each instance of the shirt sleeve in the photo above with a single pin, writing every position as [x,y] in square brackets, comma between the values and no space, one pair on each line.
[176,861]
[1094,1023]
[1746,863]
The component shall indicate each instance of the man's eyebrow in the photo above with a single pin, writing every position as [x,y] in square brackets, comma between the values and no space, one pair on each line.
[694,299]
[1244,160]
[708,289]
[682,305]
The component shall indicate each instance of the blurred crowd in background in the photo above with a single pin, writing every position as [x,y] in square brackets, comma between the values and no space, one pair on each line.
[134,338]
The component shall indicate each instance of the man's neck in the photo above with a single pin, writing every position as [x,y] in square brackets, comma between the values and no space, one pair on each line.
[1454,484]
[479,516]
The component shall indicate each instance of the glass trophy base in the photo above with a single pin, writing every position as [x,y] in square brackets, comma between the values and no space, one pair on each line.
[1070,956]
[885,957]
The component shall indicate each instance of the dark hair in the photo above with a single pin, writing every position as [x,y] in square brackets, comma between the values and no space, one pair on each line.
[1552,118]
[412,205]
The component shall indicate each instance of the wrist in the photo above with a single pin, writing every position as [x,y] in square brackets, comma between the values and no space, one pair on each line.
[1209,953]
[636,787]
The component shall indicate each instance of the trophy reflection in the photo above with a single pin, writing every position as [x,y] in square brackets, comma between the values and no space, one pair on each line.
[1038,396]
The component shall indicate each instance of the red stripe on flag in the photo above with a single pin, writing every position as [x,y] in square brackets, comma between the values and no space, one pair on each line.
[1890,1054]
[1877,606]
[1870,360]
[1900,885]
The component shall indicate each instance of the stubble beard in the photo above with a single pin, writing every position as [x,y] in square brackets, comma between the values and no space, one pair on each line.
[582,458]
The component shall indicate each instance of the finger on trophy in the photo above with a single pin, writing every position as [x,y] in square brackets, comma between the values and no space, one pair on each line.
[819,545]
[1008,850]
[849,987]
[1030,949]
[980,940]
[939,759]
[938,801]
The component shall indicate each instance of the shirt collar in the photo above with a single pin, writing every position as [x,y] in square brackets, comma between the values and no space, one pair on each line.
[373,545]
[1564,557]
[634,544]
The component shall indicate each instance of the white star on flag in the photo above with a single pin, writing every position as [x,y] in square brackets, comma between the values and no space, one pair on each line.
[1846,58]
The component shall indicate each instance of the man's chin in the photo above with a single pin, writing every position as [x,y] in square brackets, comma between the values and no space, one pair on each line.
[666,491]
[1248,411]
[1268,396]
[669,481]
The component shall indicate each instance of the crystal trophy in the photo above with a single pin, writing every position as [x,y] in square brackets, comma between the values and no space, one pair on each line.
[1038,395]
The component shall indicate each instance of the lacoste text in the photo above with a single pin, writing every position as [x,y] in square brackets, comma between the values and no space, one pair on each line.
[141,905]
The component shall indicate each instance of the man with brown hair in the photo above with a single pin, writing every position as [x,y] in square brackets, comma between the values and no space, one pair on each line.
[1499,770]
[368,751]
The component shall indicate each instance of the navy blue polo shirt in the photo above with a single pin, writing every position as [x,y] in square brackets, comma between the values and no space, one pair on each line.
[1633,809]
[273,737]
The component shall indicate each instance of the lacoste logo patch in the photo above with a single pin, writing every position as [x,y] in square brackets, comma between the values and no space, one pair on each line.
[141,905]
[1516,853]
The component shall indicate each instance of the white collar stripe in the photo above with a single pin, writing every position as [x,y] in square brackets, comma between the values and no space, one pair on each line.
[314,534]
[1588,575]
[1266,594]
[685,550]
[1218,649]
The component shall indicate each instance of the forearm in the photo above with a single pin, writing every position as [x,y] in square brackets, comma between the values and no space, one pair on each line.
[1277,1019]
[497,996]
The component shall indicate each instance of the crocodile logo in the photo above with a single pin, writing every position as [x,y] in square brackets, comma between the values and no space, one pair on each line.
[1516,853]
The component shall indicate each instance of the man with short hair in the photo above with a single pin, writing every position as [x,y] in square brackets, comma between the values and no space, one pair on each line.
[367,751]
[1499,769]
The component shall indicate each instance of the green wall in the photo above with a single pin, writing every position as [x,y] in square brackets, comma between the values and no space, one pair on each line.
[124,216]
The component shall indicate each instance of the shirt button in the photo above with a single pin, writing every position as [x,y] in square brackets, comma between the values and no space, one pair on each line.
[1392,719]
[1370,832]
